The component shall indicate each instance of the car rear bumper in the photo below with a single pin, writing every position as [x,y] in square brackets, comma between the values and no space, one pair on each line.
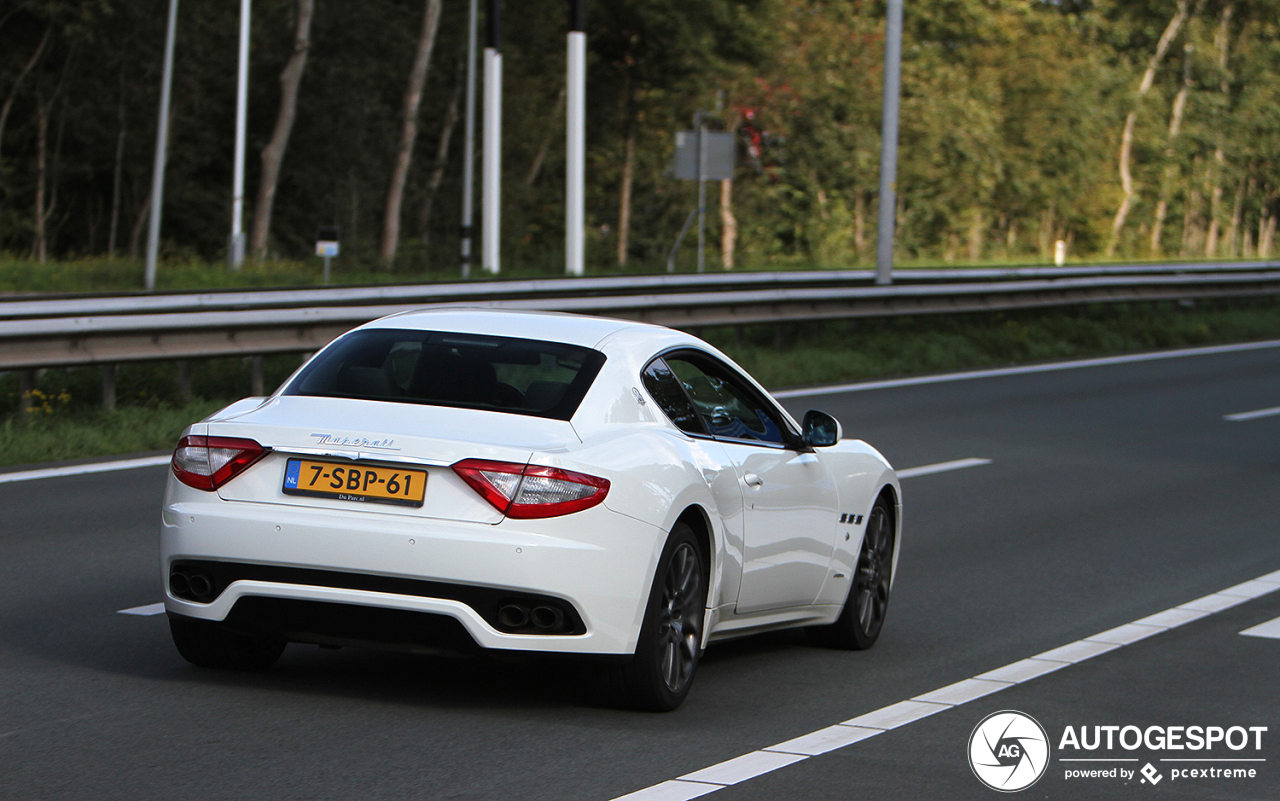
[597,563]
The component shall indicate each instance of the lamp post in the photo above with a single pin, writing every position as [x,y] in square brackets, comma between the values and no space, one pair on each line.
[889,141]
[575,162]
[491,177]
[162,141]
[235,251]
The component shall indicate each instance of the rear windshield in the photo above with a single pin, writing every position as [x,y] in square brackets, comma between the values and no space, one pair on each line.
[521,376]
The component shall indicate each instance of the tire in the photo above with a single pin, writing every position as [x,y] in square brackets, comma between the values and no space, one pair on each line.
[865,608]
[658,677]
[206,644]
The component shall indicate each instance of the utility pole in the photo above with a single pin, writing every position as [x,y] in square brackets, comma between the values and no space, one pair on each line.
[469,145]
[235,251]
[575,163]
[162,141]
[889,141]
[491,177]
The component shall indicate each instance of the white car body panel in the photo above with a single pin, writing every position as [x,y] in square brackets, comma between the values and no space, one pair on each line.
[781,553]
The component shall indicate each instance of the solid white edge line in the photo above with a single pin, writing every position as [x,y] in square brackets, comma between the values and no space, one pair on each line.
[82,469]
[941,467]
[1025,369]
[865,726]
[1254,415]
[149,609]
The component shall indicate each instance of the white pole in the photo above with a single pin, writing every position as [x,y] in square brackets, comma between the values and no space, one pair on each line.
[491,178]
[469,145]
[889,142]
[162,139]
[236,250]
[575,165]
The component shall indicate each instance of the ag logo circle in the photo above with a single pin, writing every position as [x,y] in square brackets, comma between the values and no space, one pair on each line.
[1009,751]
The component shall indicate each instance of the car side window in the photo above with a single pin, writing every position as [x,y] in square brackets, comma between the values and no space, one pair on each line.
[728,408]
[665,389]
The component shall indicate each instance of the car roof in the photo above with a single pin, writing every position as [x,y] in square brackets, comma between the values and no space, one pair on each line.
[571,329]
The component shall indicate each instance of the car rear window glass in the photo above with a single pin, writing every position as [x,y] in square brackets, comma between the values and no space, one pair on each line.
[438,368]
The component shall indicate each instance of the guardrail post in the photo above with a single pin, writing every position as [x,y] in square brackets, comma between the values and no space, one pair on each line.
[184,380]
[26,383]
[255,375]
[108,387]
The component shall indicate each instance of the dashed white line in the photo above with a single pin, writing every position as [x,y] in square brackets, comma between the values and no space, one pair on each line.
[941,467]
[149,609]
[771,758]
[1269,629]
[82,469]
[1254,415]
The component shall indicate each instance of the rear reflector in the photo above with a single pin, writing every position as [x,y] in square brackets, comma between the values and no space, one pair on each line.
[530,491]
[207,463]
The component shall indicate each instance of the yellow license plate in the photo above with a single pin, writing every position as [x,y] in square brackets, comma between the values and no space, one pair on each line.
[355,482]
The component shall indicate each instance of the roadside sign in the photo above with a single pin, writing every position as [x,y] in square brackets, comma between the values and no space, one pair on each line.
[327,242]
[721,149]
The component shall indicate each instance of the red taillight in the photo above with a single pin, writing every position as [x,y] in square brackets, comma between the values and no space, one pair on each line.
[529,491]
[207,463]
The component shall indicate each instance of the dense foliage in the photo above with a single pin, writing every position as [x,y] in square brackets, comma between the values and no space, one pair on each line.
[1023,122]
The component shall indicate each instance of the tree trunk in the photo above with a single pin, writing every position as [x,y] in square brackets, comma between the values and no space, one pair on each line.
[135,234]
[1191,231]
[442,157]
[26,68]
[273,153]
[38,247]
[541,155]
[1126,139]
[1237,214]
[859,223]
[1266,231]
[624,196]
[728,224]
[1046,233]
[408,131]
[1218,168]
[977,227]
[1175,125]
[117,177]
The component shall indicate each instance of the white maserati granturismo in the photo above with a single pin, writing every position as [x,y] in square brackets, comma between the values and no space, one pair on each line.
[523,481]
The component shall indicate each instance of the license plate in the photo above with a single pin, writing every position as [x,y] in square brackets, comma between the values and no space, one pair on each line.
[355,482]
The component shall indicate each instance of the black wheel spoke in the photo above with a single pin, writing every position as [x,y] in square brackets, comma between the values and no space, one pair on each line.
[680,618]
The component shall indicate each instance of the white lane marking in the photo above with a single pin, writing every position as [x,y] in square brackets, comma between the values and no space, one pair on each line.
[149,609]
[1269,629]
[739,769]
[1238,416]
[941,467]
[82,469]
[1025,369]
[863,727]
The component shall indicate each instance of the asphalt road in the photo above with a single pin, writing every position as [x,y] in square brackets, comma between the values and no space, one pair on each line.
[1113,493]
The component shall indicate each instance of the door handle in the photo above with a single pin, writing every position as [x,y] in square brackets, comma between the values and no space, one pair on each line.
[752,480]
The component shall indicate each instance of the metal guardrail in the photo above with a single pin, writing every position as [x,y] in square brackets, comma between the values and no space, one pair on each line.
[49,332]
[558,288]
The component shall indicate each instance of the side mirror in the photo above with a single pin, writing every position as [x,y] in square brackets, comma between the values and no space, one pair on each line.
[821,430]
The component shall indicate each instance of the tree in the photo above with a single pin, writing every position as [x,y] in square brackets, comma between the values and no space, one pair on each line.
[273,153]
[409,130]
